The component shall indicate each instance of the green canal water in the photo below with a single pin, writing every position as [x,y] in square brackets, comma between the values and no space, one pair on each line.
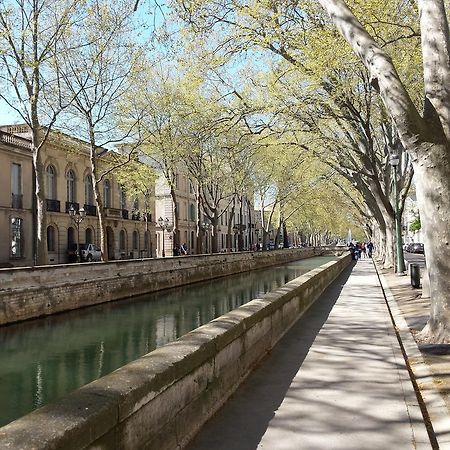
[44,359]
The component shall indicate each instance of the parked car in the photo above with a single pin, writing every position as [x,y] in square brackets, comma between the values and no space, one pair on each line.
[88,252]
[416,247]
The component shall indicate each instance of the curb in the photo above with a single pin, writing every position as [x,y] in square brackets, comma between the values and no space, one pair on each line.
[434,410]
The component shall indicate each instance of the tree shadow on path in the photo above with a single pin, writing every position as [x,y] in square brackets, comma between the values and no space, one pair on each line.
[243,420]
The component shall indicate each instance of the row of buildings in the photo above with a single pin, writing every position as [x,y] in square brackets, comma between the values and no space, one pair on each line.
[132,226]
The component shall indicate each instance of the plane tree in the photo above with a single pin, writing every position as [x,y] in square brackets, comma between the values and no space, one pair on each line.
[30,37]
[424,131]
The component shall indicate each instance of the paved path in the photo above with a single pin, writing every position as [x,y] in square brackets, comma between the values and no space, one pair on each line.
[337,380]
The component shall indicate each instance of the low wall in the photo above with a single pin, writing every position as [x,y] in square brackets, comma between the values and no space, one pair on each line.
[162,399]
[31,292]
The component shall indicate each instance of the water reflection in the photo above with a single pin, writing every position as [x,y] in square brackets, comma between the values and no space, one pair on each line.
[44,359]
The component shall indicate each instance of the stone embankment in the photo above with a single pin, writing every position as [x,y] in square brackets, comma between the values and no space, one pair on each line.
[162,399]
[30,292]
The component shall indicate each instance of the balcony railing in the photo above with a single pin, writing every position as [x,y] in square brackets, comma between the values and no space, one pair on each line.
[17,201]
[16,141]
[72,205]
[113,212]
[91,210]
[53,205]
[124,213]
[147,217]
[136,215]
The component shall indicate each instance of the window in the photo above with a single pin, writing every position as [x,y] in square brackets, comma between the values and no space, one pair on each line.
[88,191]
[135,240]
[51,183]
[146,241]
[70,236]
[191,187]
[89,237]
[107,194]
[136,204]
[71,186]
[16,237]
[51,239]
[192,212]
[122,241]
[122,198]
[16,179]
[16,185]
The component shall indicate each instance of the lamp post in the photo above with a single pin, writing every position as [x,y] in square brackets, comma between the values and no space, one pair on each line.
[165,225]
[206,228]
[77,217]
[394,160]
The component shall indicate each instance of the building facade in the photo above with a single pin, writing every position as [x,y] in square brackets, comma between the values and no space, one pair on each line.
[241,222]
[130,233]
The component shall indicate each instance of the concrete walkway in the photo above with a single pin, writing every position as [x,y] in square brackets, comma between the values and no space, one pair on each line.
[337,380]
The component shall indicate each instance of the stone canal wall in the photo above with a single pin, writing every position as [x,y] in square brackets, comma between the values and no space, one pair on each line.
[162,399]
[31,292]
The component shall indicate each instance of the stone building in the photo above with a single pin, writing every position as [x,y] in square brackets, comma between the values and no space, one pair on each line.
[243,236]
[187,216]
[130,231]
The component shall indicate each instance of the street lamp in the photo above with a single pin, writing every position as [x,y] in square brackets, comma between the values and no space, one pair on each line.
[165,225]
[394,161]
[206,228]
[77,217]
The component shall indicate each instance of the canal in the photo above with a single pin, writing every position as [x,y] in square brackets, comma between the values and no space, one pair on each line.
[43,359]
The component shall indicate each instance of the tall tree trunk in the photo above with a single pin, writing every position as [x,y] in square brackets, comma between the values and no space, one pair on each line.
[426,139]
[214,233]
[229,227]
[199,227]
[176,234]
[433,187]
[41,256]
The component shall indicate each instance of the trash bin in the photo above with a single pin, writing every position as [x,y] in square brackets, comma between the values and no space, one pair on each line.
[415,275]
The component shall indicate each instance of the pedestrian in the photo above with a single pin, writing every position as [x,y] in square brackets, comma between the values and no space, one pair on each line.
[183,249]
[369,249]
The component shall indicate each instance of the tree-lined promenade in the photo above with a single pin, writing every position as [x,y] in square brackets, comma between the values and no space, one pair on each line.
[302,105]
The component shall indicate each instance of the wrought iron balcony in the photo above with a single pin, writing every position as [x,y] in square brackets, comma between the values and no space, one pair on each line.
[53,205]
[17,201]
[74,205]
[135,215]
[113,212]
[147,217]
[91,210]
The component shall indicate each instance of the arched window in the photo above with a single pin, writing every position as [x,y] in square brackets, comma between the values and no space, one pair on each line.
[89,236]
[71,191]
[51,239]
[122,241]
[107,194]
[88,191]
[135,240]
[51,182]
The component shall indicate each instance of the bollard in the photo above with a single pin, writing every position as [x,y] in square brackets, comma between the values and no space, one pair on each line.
[415,275]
